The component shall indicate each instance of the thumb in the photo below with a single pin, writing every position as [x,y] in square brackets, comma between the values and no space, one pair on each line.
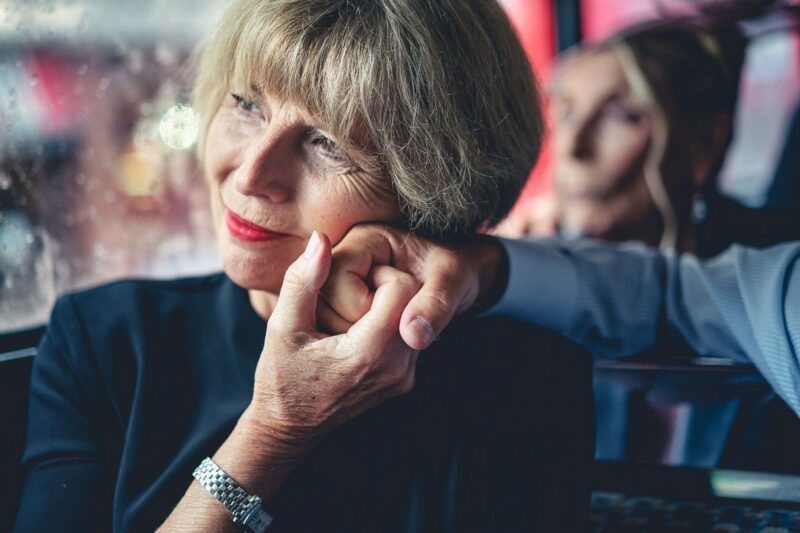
[441,297]
[296,308]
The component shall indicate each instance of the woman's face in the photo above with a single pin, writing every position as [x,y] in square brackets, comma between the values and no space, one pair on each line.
[274,179]
[601,138]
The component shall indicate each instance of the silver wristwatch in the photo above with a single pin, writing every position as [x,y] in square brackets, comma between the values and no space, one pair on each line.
[245,508]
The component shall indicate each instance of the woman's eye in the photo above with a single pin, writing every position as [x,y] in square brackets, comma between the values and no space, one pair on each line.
[327,146]
[624,114]
[246,105]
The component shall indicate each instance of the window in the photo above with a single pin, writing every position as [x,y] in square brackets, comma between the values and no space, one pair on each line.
[98,178]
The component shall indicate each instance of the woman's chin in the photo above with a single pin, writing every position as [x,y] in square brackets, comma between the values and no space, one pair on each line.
[591,224]
[258,268]
[255,275]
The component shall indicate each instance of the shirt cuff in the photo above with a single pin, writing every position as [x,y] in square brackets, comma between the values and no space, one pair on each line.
[542,285]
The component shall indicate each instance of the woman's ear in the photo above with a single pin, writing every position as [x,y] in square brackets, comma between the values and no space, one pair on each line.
[710,146]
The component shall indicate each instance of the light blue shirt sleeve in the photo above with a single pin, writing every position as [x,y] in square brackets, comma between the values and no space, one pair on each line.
[615,299]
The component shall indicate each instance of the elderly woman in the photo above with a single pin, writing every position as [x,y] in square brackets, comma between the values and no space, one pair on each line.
[318,115]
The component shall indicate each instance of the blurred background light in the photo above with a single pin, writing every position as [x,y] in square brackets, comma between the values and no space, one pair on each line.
[179,127]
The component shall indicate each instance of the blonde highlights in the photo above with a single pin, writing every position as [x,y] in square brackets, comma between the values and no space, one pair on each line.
[437,95]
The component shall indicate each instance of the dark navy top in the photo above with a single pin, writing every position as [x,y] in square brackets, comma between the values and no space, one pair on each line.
[137,381]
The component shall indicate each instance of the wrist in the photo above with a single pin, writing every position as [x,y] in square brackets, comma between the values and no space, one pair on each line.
[492,269]
[257,458]
[277,442]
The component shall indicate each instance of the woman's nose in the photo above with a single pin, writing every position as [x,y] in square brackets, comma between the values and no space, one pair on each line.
[580,140]
[267,169]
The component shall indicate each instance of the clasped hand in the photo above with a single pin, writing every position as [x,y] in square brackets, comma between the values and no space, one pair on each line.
[308,382]
[348,325]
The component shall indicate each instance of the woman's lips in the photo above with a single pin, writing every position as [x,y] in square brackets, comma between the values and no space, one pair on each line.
[244,230]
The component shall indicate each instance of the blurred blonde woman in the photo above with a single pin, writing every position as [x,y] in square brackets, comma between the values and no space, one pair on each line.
[641,123]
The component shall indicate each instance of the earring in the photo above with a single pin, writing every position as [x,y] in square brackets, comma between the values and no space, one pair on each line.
[699,208]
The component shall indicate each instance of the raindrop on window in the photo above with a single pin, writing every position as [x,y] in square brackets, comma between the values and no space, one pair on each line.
[104,83]
[34,80]
[83,69]
[179,127]
[5,183]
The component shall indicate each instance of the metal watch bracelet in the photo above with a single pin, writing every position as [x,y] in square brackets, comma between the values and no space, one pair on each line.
[245,508]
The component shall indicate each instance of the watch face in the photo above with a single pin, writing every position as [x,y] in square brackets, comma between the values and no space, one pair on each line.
[257,521]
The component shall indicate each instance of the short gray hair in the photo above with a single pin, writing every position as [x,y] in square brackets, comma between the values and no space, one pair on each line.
[436,94]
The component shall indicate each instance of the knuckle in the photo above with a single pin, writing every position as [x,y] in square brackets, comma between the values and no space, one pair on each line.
[440,300]
[396,375]
[447,260]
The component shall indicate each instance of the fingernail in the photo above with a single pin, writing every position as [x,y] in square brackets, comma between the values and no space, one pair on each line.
[422,329]
[312,246]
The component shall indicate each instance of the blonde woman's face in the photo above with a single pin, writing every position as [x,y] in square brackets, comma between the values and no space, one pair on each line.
[601,137]
[275,177]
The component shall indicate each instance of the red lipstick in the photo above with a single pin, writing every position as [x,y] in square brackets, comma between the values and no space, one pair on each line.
[244,230]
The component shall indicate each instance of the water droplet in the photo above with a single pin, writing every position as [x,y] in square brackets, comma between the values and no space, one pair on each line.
[135,61]
[179,127]
[104,83]
[99,250]
[5,182]
[29,238]
[34,80]
[83,69]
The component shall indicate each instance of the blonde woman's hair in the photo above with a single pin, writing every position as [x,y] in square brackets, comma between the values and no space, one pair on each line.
[437,95]
[687,72]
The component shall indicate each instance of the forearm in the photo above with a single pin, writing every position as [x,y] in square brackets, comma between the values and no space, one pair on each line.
[258,461]
[743,304]
[618,300]
[606,298]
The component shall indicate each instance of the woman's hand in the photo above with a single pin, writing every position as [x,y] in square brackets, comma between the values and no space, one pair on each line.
[307,382]
[452,279]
